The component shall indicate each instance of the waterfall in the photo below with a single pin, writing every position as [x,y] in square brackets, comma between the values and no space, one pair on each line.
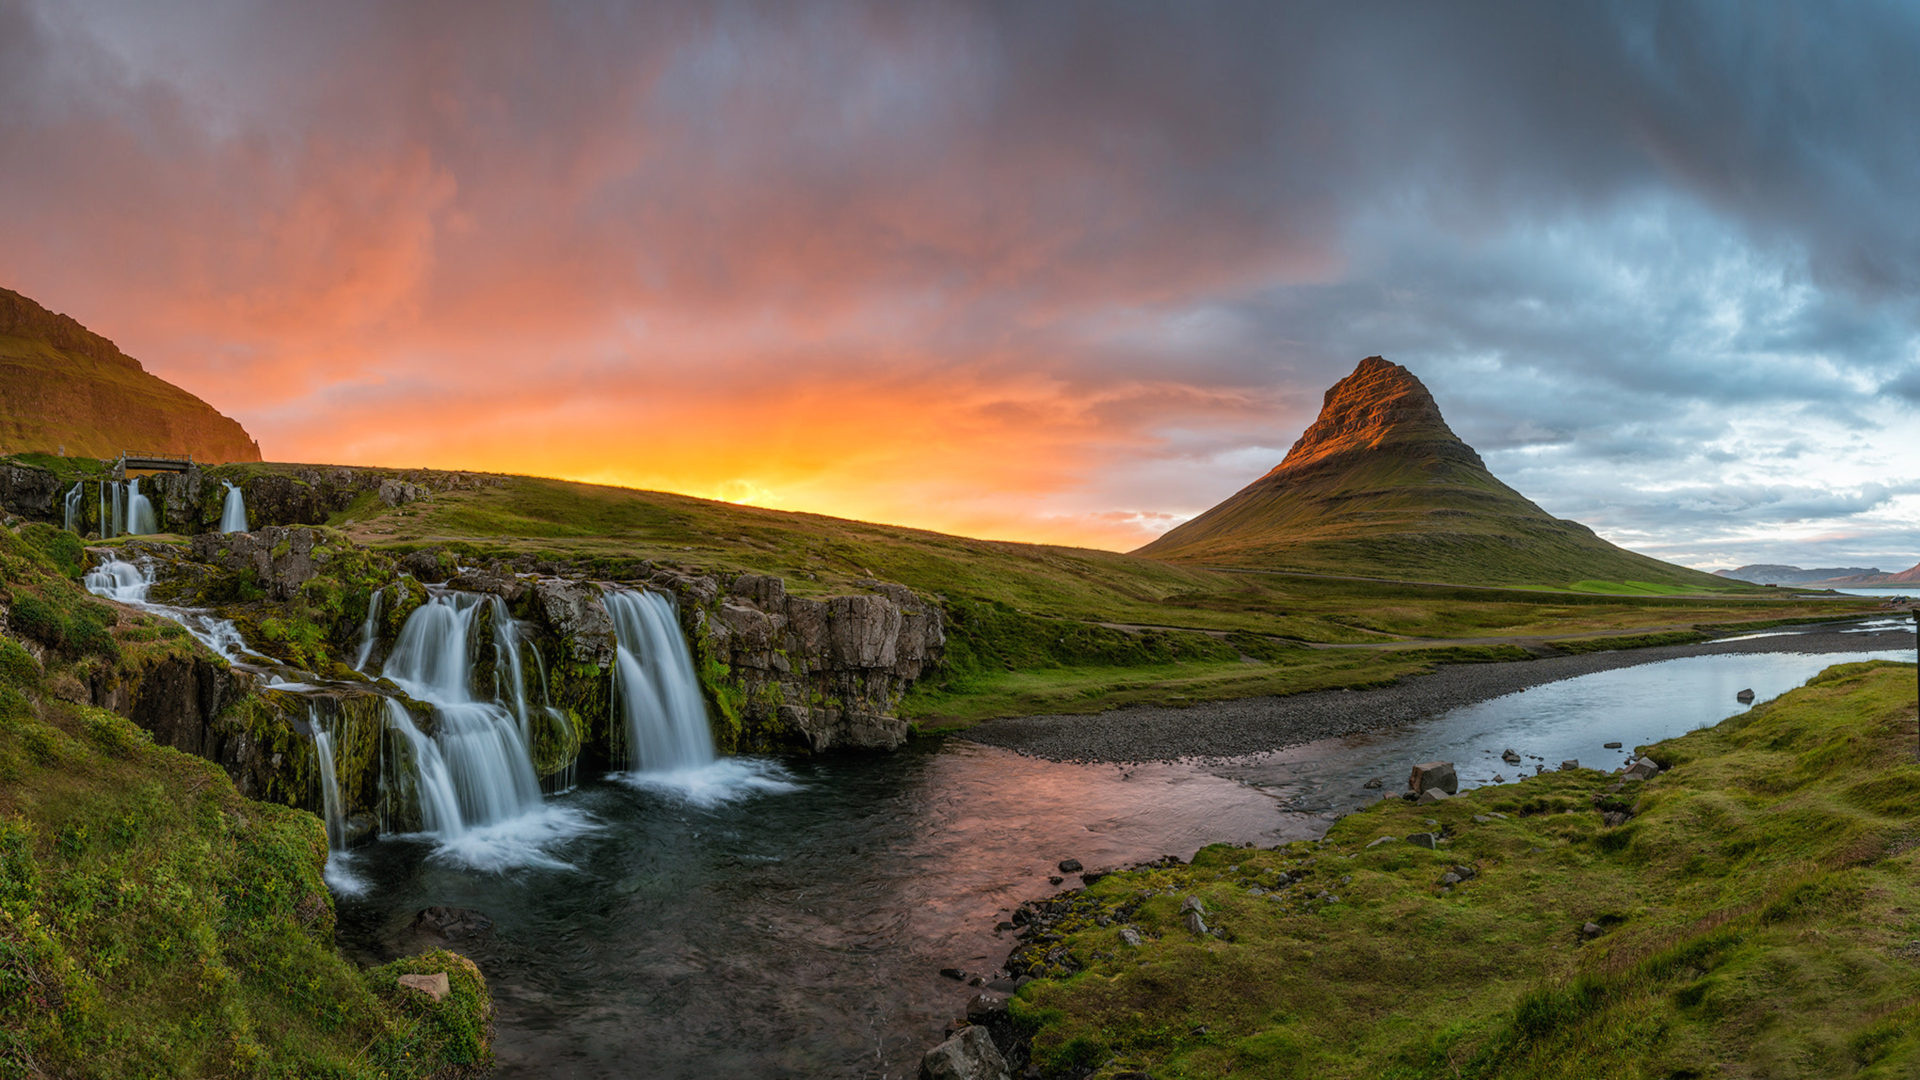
[481,745]
[655,686]
[114,528]
[233,514]
[329,783]
[116,579]
[140,518]
[105,526]
[369,630]
[439,806]
[73,508]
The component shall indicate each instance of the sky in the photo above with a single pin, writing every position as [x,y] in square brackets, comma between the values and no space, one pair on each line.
[1065,272]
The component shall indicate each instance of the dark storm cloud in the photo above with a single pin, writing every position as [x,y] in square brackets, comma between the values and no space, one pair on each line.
[1134,239]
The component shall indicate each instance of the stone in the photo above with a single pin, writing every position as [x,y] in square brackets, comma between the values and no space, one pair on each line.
[434,986]
[577,614]
[968,1055]
[1498,779]
[1641,769]
[1375,783]
[1130,936]
[1590,931]
[1613,819]
[1192,903]
[985,1008]
[1070,866]
[1482,819]
[1194,923]
[1744,697]
[451,923]
[1450,879]
[1431,776]
[1432,795]
[954,973]
[1511,756]
[1466,873]
[1610,746]
[1569,765]
[400,492]
[1424,839]
[1377,841]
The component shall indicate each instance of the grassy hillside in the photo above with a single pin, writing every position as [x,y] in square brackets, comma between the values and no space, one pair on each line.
[153,923]
[1757,915]
[1036,628]
[66,387]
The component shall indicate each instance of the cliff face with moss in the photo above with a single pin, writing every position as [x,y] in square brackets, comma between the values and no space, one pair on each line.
[153,921]
[70,391]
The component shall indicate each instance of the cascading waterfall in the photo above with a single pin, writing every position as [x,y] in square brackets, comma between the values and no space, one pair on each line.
[654,683]
[106,526]
[116,526]
[117,579]
[480,746]
[369,630]
[140,517]
[73,508]
[233,513]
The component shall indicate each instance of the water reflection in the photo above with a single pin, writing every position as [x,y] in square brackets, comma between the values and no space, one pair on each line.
[798,933]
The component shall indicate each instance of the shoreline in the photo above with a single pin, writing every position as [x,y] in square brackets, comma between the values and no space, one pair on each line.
[1242,726]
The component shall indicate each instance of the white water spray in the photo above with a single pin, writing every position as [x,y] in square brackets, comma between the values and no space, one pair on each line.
[140,516]
[233,513]
[73,509]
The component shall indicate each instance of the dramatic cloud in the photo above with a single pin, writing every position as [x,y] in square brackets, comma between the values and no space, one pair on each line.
[1066,271]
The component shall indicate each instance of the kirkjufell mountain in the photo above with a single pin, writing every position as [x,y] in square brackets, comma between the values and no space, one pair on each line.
[1379,485]
[67,389]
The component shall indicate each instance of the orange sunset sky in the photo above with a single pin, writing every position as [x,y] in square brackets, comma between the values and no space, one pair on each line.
[1051,272]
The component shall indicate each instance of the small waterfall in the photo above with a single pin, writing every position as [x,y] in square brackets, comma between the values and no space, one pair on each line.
[106,527]
[140,518]
[117,525]
[233,513]
[116,579]
[439,806]
[73,509]
[481,745]
[329,784]
[655,686]
[369,630]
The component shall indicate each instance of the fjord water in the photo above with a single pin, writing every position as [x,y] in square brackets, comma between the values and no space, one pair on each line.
[800,932]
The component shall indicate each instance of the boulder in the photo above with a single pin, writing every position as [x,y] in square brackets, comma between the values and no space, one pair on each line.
[576,612]
[492,580]
[969,1055]
[1744,697]
[1641,769]
[1432,795]
[434,986]
[1194,923]
[281,557]
[1610,746]
[1433,775]
[1569,765]
[1510,756]
[1424,839]
[1375,784]
[400,492]
[1130,936]
[1378,840]
[1070,866]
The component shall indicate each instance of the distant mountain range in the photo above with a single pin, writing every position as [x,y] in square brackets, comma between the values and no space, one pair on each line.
[67,390]
[1834,576]
[1379,485]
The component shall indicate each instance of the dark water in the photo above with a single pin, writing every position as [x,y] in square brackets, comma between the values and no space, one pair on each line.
[798,931]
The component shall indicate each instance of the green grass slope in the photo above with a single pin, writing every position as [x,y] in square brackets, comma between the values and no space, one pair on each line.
[1381,486]
[1758,915]
[154,923]
[65,386]
[1037,628]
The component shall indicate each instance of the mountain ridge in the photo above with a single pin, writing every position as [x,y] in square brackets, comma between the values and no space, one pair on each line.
[72,391]
[1379,483]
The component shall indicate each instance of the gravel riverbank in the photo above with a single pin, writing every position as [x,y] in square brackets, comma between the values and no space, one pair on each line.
[1254,725]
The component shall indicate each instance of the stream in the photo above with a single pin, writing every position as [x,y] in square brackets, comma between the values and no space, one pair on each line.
[791,918]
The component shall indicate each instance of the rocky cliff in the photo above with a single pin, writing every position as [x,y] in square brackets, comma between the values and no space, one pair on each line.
[70,391]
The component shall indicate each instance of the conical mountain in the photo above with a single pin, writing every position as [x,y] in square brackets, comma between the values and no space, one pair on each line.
[1380,486]
[68,389]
